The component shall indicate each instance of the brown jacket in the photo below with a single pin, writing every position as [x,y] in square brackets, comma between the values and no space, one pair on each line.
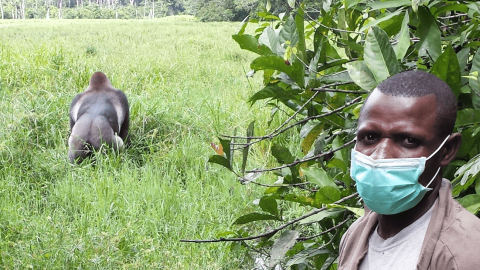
[452,240]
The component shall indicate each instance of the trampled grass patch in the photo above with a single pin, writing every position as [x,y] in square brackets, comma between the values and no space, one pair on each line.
[185,82]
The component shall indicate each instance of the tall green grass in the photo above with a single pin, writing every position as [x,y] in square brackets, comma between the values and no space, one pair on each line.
[186,84]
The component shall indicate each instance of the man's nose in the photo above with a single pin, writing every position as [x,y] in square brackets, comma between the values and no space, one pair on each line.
[383,149]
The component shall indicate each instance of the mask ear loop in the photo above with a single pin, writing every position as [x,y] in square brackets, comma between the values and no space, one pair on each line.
[433,178]
[438,149]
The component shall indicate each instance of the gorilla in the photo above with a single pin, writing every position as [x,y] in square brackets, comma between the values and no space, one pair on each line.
[98,115]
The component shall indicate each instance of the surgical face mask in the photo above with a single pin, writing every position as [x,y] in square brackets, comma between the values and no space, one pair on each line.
[390,186]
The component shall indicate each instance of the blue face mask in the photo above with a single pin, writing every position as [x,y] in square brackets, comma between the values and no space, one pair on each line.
[390,186]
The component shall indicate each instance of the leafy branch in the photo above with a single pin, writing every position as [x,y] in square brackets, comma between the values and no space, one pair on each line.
[272,232]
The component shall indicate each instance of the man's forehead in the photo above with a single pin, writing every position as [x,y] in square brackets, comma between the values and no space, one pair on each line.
[406,102]
[391,108]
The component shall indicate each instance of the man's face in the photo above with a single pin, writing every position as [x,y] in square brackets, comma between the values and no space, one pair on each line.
[400,127]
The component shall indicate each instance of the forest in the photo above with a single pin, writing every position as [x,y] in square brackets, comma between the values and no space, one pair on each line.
[204,10]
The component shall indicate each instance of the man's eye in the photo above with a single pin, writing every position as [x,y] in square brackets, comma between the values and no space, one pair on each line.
[369,137]
[410,141]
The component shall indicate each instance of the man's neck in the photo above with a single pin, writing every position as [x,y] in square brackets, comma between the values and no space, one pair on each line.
[390,225]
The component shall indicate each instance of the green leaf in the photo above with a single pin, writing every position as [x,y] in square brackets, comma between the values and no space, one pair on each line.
[333,63]
[477,185]
[300,21]
[282,154]
[475,84]
[471,203]
[291,3]
[389,4]
[270,62]
[318,177]
[312,69]
[470,169]
[268,6]
[225,233]
[353,46]
[245,150]
[467,117]
[269,205]
[254,217]
[302,256]
[226,149]
[326,195]
[379,55]
[386,17]
[416,3]
[220,160]
[322,215]
[289,32]
[250,43]
[311,137]
[276,62]
[336,77]
[452,7]
[463,56]
[268,91]
[403,38]
[283,244]
[337,163]
[430,44]
[447,68]
[357,211]
[342,153]
[361,75]
[474,8]
[304,200]
[350,3]
[269,38]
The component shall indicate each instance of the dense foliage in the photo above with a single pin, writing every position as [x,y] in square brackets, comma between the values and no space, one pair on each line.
[317,74]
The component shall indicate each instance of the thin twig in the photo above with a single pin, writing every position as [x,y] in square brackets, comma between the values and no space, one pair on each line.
[298,185]
[331,85]
[272,231]
[326,231]
[453,16]
[340,30]
[271,135]
[303,160]
[340,91]
[279,185]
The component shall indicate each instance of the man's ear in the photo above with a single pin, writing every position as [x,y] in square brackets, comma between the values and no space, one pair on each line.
[451,147]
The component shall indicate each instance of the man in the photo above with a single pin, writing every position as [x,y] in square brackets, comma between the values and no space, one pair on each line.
[404,141]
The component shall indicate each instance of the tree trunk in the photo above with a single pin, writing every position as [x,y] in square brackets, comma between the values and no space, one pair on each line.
[153,9]
[48,13]
[1,9]
[60,9]
[23,10]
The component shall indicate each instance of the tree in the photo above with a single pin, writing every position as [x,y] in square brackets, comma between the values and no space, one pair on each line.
[317,72]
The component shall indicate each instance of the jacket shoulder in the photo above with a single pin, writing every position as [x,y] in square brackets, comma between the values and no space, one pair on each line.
[458,243]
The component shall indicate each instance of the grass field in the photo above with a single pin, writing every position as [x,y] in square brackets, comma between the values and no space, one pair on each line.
[186,84]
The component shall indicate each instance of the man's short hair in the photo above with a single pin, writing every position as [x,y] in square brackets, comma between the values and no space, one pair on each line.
[416,83]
